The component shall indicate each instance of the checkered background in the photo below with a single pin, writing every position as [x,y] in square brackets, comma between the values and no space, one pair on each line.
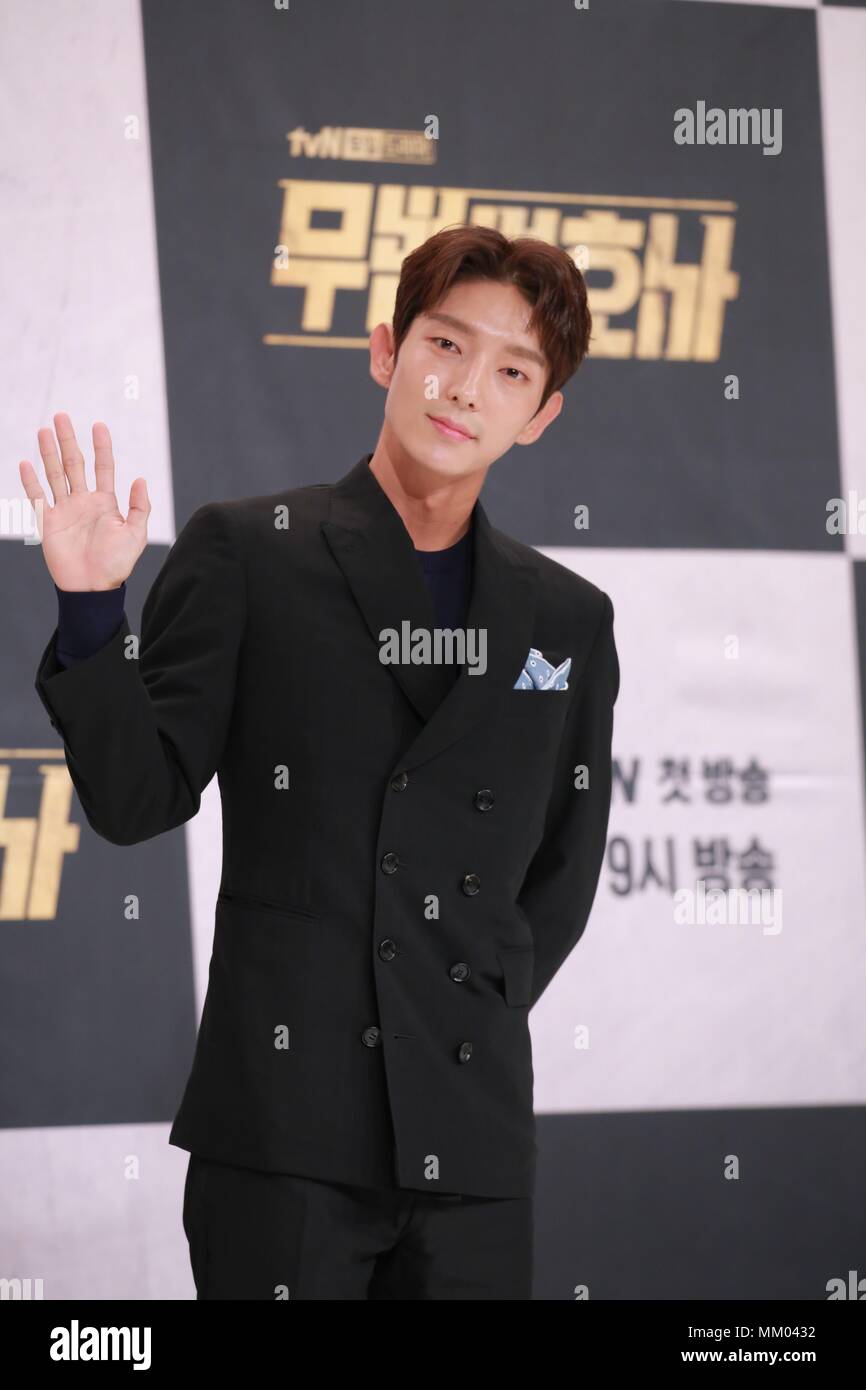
[700,1088]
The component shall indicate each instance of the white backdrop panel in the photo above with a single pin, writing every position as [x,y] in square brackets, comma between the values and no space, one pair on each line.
[698,1016]
[81,328]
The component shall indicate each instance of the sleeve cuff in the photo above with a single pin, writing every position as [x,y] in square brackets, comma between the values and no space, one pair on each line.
[86,621]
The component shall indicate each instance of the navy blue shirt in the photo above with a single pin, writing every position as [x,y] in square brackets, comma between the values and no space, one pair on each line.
[449,579]
[87,620]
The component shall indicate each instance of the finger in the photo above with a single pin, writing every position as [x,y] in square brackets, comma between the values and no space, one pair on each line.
[34,492]
[73,459]
[51,462]
[103,454]
[139,508]
[31,482]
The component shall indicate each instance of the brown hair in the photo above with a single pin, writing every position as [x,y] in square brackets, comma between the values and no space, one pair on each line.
[545,274]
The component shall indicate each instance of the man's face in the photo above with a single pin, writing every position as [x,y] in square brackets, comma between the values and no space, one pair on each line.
[471,360]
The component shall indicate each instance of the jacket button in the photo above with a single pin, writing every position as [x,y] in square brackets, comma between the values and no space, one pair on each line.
[387,949]
[371,1037]
[460,971]
[465,1052]
[483,799]
[471,885]
[400,782]
[390,862]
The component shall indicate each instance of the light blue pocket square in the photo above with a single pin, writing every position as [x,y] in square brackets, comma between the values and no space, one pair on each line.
[538,674]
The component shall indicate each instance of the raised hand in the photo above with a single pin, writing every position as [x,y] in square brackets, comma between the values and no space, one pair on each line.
[86,540]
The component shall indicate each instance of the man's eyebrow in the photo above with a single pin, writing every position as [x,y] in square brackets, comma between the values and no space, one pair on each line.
[513,349]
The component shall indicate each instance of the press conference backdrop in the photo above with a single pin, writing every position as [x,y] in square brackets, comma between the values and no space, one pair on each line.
[205,209]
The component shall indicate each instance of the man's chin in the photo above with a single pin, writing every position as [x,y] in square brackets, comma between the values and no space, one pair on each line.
[449,458]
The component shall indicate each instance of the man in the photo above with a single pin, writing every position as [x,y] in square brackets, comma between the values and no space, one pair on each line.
[413,825]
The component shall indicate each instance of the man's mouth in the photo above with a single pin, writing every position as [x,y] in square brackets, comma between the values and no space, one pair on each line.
[450,428]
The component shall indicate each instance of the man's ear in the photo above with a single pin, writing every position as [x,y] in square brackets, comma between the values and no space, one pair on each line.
[539,422]
[382,357]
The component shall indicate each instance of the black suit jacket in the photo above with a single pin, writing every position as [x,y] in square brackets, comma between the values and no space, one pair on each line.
[406,860]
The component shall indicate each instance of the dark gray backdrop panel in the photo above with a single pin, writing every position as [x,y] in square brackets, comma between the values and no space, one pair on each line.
[636,1206]
[98,1015]
[536,97]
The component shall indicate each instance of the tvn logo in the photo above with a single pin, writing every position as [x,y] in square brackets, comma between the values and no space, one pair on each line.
[34,846]
[369,144]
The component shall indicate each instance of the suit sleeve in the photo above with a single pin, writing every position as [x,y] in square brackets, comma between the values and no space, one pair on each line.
[561,881]
[143,735]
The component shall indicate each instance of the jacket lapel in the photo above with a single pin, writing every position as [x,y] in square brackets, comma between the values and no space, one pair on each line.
[374,550]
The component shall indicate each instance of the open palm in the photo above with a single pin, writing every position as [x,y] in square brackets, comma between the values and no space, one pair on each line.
[86,540]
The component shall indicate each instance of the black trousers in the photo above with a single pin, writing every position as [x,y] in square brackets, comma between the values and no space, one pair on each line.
[277,1236]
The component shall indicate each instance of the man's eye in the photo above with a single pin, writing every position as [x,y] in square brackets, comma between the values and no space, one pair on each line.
[450,344]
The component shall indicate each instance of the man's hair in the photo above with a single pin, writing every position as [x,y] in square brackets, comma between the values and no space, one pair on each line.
[545,274]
